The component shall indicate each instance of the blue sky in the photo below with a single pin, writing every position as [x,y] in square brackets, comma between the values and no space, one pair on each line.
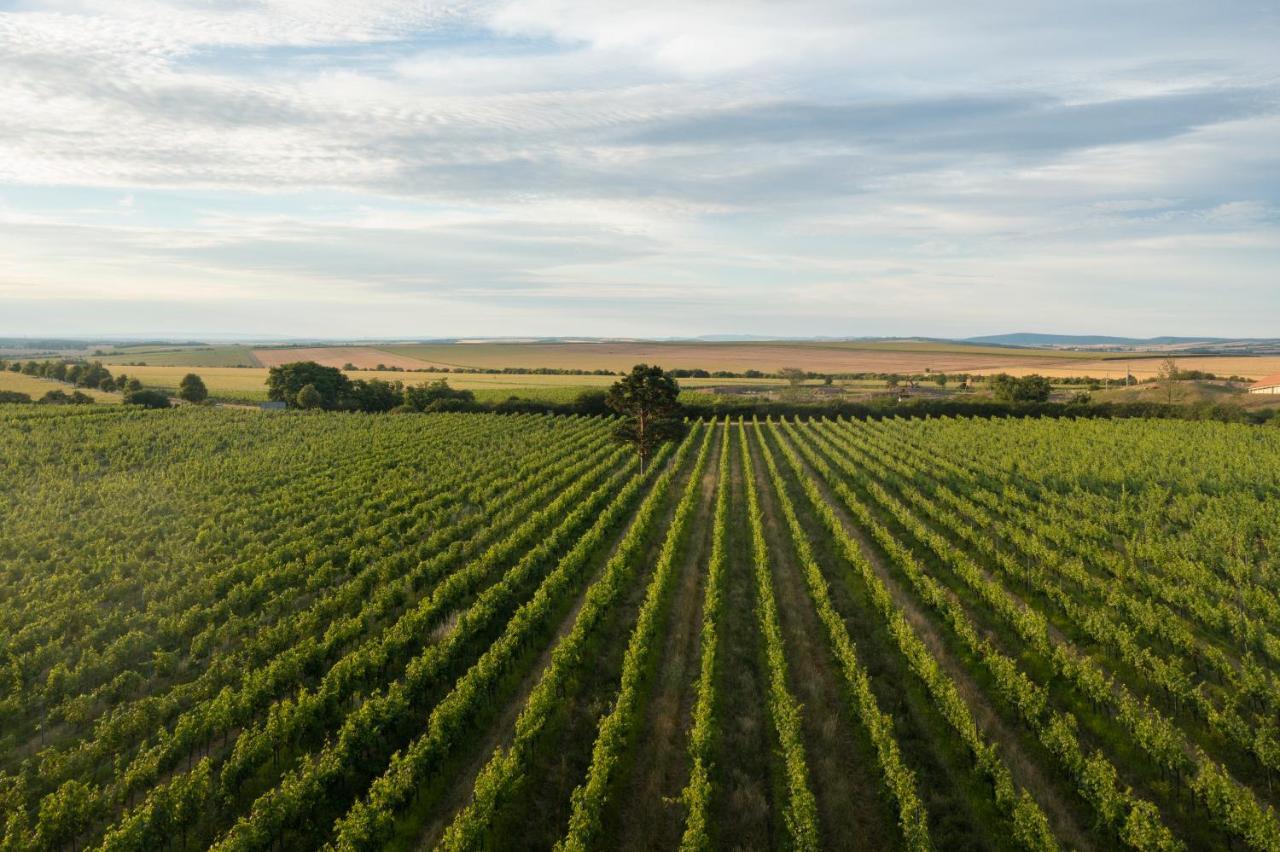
[554,167]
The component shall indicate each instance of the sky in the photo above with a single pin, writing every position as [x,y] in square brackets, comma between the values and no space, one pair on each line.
[328,168]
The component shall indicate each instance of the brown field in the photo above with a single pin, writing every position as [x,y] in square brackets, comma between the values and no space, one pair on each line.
[895,357]
[1249,366]
[1188,393]
[735,357]
[365,357]
[904,357]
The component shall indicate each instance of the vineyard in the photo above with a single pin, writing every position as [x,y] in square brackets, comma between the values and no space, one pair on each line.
[240,630]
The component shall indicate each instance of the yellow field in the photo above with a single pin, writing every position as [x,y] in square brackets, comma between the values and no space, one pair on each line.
[250,383]
[235,382]
[893,356]
[38,387]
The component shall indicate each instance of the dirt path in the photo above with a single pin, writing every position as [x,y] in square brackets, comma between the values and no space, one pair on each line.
[1121,677]
[651,815]
[1065,814]
[538,815]
[499,731]
[845,776]
[744,767]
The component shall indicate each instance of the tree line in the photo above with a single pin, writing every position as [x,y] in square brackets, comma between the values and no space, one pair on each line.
[648,400]
[92,375]
[309,385]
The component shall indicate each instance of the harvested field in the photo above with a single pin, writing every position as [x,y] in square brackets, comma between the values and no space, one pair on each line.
[1249,366]
[735,357]
[903,357]
[363,357]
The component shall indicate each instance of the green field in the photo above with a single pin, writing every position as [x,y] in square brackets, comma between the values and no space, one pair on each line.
[234,629]
[186,356]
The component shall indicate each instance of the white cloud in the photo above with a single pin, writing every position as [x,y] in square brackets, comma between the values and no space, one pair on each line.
[843,161]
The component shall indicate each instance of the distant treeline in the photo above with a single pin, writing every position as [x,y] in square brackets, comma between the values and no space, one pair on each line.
[53,397]
[487,371]
[81,374]
[309,385]
[592,403]
[786,374]
[306,384]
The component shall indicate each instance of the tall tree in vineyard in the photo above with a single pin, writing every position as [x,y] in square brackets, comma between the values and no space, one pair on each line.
[647,399]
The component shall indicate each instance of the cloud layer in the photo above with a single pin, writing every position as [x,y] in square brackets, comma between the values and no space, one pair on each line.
[568,167]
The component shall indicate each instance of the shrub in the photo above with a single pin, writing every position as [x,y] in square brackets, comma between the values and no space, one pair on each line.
[147,398]
[309,397]
[438,396]
[192,389]
[61,397]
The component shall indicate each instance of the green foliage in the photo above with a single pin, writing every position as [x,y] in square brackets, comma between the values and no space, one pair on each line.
[698,831]
[308,397]
[1031,388]
[85,374]
[593,402]
[617,729]
[648,400]
[147,398]
[370,598]
[793,376]
[222,629]
[64,813]
[286,382]
[373,395]
[800,813]
[437,396]
[61,397]
[192,389]
[1028,821]
[506,770]
[898,778]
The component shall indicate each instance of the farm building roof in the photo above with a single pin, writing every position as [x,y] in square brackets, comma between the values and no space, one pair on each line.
[1266,381]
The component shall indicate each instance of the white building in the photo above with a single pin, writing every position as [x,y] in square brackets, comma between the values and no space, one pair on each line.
[1270,384]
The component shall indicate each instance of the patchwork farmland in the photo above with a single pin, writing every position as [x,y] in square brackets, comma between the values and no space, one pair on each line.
[241,630]
[902,356]
[560,372]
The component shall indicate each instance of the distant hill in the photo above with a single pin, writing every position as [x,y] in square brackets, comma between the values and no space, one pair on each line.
[1030,339]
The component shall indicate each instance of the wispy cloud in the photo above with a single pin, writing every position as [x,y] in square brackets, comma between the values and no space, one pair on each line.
[816,167]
